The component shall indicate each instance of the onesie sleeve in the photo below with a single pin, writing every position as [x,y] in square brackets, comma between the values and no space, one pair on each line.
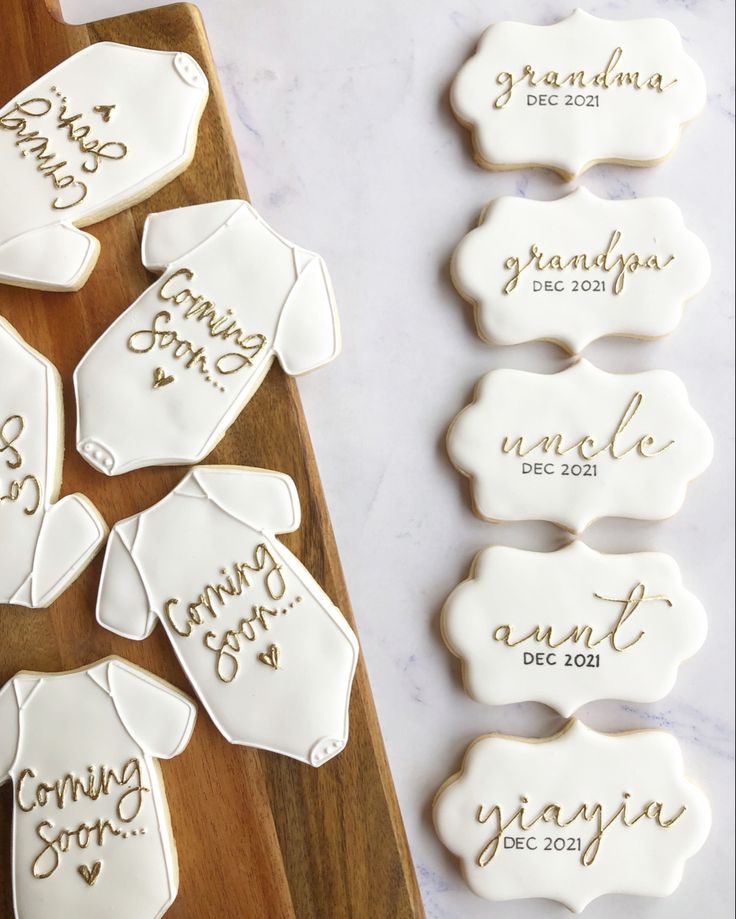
[57,257]
[9,729]
[308,334]
[263,499]
[156,715]
[168,236]
[122,603]
[72,533]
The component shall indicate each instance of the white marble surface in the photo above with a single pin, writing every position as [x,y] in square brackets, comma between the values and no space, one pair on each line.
[341,117]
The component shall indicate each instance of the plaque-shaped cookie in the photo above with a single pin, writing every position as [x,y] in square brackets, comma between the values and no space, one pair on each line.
[579,268]
[572,626]
[572,817]
[582,91]
[574,446]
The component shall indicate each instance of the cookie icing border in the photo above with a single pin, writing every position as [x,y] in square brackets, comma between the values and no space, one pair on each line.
[570,166]
[190,72]
[496,311]
[474,604]
[200,235]
[574,731]
[322,748]
[159,798]
[25,595]
[571,519]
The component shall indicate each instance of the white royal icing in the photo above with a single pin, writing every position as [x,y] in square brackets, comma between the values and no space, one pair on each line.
[572,817]
[100,132]
[166,380]
[44,545]
[579,92]
[270,656]
[91,834]
[578,268]
[574,446]
[573,626]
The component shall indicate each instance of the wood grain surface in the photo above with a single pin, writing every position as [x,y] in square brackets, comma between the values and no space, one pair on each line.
[258,835]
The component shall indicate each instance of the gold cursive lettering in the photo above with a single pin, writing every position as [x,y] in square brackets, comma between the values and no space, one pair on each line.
[207,608]
[49,858]
[556,815]
[233,584]
[96,150]
[95,784]
[607,78]
[220,324]
[20,120]
[585,634]
[99,782]
[145,340]
[19,487]
[49,164]
[10,433]
[587,447]
[605,261]
[228,648]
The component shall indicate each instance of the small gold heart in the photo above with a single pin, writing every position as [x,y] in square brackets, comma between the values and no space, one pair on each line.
[271,658]
[90,875]
[105,111]
[160,378]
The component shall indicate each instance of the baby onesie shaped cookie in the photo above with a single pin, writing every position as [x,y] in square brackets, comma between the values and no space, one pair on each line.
[572,817]
[102,131]
[576,93]
[574,446]
[270,656]
[44,544]
[166,380]
[91,832]
[578,268]
[570,627]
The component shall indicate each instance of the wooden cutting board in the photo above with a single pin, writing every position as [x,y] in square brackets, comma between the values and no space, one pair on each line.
[258,835]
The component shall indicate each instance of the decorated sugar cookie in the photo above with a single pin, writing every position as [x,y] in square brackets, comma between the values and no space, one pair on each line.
[100,132]
[167,379]
[574,446]
[578,268]
[91,833]
[44,544]
[271,657]
[572,817]
[579,92]
[570,627]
